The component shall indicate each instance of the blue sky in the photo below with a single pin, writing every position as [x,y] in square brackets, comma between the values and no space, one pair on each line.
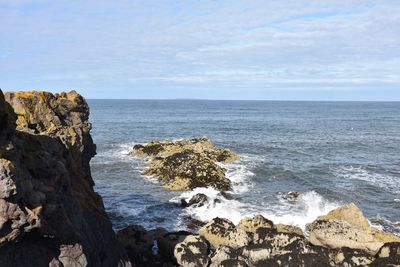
[286,50]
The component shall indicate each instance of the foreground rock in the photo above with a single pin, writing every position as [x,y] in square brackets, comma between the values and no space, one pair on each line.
[192,252]
[258,241]
[347,227]
[49,213]
[187,164]
[223,232]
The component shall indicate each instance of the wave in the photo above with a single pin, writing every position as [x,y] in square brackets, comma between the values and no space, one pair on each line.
[300,212]
[385,224]
[305,210]
[387,182]
[239,173]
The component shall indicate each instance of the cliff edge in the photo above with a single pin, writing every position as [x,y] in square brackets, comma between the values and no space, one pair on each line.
[49,212]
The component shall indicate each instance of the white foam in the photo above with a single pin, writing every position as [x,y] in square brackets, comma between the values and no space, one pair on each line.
[239,174]
[387,225]
[376,179]
[305,210]
[224,208]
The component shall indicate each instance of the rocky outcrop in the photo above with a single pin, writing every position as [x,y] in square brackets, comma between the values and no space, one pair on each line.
[49,212]
[187,164]
[255,242]
[347,227]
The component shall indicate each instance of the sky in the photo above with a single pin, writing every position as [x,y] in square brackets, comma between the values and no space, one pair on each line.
[273,50]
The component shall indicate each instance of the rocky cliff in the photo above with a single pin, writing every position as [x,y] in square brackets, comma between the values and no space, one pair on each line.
[49,212]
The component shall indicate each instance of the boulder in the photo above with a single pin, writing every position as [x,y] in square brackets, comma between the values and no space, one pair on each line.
[223,232]
[288,229]
[187,164]
[347,227]
[252,224]
[192,252]
[49,212]
[195,201]
[167,243]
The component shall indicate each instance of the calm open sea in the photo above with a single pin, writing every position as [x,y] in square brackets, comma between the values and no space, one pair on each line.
[331,152]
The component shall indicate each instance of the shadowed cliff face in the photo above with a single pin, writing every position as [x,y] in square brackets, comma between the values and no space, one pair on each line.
[49,213]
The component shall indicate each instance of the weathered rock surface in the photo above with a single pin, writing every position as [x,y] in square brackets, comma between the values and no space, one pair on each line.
[192,252]
[187,164]
[49,212]
[223,232]
[258,242]
[252,224]
[346,226]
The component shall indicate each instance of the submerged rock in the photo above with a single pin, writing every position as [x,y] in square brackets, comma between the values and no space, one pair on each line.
[49,212]
[187,164]
[346,226]
[292,195]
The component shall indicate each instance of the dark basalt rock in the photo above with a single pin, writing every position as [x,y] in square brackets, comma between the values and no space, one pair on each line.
[197,200]
[49,212]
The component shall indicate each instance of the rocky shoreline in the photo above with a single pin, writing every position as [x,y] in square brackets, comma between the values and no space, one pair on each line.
[341,238]
[50,214]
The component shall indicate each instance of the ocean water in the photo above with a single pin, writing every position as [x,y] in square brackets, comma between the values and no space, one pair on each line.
[332,153]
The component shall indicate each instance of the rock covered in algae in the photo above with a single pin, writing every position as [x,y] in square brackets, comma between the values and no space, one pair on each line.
[187,164]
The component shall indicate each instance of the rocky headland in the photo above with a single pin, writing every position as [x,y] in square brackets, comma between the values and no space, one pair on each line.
[187,164]
[51,216]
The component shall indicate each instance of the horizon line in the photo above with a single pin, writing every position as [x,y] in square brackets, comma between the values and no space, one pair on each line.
[270,100]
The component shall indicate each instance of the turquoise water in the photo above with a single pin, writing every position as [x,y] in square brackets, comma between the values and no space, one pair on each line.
[331,152]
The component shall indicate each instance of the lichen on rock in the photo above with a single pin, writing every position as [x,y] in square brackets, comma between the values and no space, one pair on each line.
[49,212]
[187,164]
[222,232]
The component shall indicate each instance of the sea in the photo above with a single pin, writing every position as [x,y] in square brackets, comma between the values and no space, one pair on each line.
[332,153]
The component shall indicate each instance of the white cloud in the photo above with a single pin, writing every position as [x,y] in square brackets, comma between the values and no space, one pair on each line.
[204,44]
